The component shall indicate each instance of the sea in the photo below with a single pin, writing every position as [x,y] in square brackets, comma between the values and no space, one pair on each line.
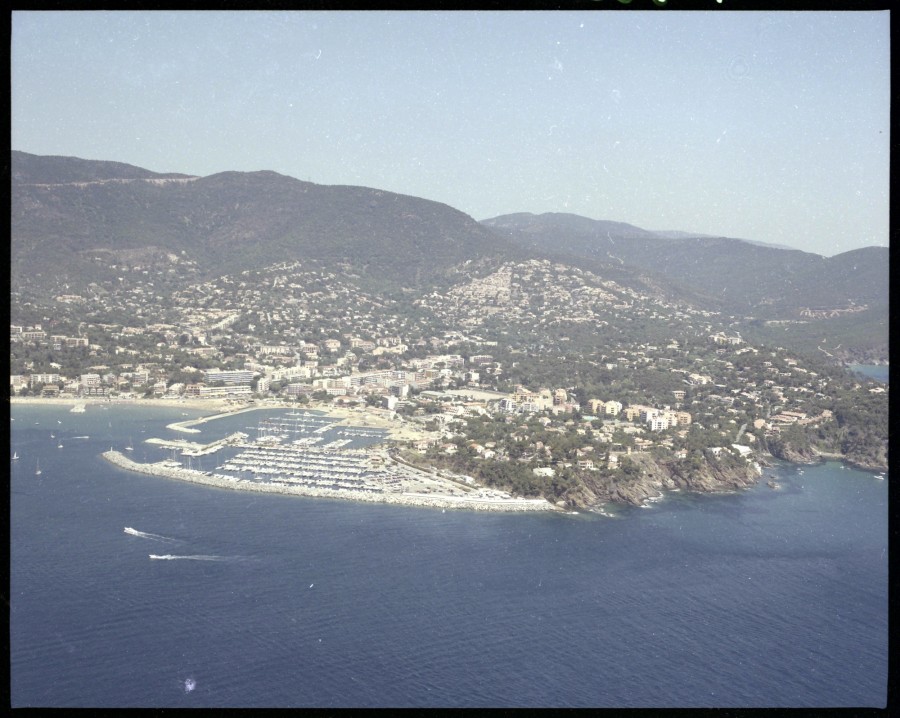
[761,598]
[879,372]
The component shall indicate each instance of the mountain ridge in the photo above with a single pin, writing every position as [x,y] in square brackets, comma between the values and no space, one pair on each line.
[743,274]
[76,221]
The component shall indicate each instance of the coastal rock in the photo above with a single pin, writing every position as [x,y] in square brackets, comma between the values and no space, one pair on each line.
[713,477]
[656,476]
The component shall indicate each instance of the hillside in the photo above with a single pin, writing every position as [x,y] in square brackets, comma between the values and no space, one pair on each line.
[38,169]
[844,297]
[76,222]
[86,222]
[735,274]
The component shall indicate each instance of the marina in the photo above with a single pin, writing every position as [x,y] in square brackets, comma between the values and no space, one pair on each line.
[348,474]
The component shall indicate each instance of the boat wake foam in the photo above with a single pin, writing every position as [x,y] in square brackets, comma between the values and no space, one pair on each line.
[196,557]
[152,537]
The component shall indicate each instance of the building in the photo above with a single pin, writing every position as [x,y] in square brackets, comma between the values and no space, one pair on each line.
[298,389]
[47,379]
[658,422]
[213,392]
[236,377]
[612,408]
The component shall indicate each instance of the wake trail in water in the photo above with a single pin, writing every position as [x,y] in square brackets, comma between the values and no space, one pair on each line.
[195,557]
[152,537]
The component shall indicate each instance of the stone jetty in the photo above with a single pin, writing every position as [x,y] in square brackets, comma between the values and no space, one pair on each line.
[480,502]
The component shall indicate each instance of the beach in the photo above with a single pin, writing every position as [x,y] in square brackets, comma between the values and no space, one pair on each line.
[205,404]
[399,430]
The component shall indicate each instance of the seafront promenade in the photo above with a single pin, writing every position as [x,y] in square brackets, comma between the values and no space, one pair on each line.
[173,470]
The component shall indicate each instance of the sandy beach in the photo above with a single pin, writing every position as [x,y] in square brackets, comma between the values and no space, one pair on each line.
[398,429]
[204,404]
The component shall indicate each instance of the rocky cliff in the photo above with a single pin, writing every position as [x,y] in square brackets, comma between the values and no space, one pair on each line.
[654,476]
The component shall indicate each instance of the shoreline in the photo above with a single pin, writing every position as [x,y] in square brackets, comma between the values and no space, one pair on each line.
[405,498]
[219,408]
[203,404]
[395,430]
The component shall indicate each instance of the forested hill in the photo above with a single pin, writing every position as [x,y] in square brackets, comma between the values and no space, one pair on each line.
[47,170]
[741,276]
[76,222]
[72,219]
[775,294]
[79,221]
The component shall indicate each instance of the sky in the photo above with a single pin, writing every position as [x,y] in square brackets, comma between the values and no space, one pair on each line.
[769,126]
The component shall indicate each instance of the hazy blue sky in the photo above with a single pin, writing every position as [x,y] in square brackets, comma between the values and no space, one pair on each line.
[766,126]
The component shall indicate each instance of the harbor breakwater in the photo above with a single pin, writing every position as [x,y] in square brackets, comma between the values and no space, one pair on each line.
[172,470]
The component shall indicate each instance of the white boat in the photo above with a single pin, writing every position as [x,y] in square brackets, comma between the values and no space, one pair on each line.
[37,471]
[59,445]
[880,477]
[15,456]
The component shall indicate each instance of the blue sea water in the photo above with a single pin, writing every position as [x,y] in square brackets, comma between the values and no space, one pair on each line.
[879,372]
[757,599]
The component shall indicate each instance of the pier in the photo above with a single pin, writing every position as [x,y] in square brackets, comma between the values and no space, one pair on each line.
[191,448]
[339,485]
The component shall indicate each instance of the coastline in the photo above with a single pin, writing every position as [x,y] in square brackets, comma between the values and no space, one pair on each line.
[398,430]
[403,498]
[204,404]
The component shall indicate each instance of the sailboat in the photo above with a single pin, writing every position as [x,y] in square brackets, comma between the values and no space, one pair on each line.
[15,456]
[37,471]
[130,446]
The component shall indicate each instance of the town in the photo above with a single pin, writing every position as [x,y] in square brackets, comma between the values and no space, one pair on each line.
[533,376]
